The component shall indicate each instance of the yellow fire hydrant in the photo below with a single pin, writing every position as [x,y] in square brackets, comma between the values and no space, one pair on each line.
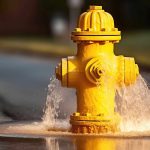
[96,72]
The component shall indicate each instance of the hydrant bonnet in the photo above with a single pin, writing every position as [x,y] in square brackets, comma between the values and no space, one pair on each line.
[96,25]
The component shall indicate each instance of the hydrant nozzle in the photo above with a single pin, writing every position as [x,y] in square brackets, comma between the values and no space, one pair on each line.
[95,72]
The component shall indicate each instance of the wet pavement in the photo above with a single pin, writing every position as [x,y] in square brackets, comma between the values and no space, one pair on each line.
[73,143]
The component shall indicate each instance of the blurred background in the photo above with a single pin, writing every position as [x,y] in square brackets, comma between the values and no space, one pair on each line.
[35,34]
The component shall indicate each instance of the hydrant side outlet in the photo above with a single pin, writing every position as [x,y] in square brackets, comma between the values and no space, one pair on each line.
[95,72]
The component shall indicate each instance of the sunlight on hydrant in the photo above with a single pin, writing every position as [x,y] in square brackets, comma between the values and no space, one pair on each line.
[96,72]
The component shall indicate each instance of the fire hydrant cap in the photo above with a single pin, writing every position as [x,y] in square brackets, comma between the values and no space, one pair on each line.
[96,25]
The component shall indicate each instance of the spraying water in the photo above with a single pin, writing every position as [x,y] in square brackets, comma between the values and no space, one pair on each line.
[51,111]
[133,103]
[52,102]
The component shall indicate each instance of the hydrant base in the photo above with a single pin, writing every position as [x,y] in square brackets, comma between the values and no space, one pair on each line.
[94,127]
[95,124]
